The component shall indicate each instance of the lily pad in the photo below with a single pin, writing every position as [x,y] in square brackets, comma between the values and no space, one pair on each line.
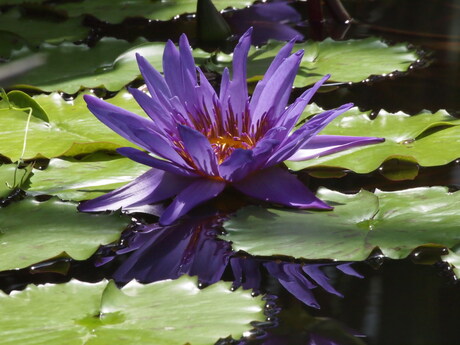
[11,177]
[426,139]
[395,222]
[80,313]
[346,61]
[110,64]
[109,10]
[32,231]
[77,180]
[71,129]
[36,31]
[71,67]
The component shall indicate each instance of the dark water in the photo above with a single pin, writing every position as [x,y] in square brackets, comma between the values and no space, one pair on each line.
[398,302]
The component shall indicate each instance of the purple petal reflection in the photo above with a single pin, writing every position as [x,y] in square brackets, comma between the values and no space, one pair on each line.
[246,273]
[189,247]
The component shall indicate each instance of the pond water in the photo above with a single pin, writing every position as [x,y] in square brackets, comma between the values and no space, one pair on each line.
[415,301]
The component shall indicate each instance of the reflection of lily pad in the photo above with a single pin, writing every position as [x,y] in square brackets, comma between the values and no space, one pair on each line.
[71,129]
[32,231]
[346,61]
[81,313]
[396,222]
[115,11]
[427,139]
[72,179]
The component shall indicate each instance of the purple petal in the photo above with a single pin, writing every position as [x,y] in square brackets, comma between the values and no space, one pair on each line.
[277,90]
[291,115]
[153,79]
[238,89]
[207,97]
[301,136]
[171,68]
[187,71]
[315,273]
[236,162]
[277,61]
[196,193]
[322,145]
[120,120]
[160,115]
[279,186]
[224,85]
[160,146]
[144,158]
[200,149]
[153,186]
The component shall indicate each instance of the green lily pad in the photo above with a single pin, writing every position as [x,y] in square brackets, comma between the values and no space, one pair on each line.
[345,61]
[32,231]
[109,10]
[71,129]
[11,177]
[426,139]
[36,31]
[110,64]
[77,180]
[71,67]
[96,314]
[396,222]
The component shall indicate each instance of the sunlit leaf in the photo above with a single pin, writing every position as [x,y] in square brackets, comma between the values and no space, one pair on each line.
[95,175]
[71,129]
[70,67]
[32,231]
[396,222]
[96,314]
[110,64]
[109,10]
[426,139]
[345,61]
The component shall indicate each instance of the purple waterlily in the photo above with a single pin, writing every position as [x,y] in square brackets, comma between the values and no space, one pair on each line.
[202,141]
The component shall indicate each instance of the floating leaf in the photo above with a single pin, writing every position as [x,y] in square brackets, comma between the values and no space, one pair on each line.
[32,231]
[346,61]
[71,129]
[38,30]
[111,64]
[71,67]
[109,10]
[76,313]
[95,175]
[426,139]
[7,179]
[396,222]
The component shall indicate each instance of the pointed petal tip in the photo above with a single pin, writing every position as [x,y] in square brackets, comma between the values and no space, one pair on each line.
[92,100]
[183,41]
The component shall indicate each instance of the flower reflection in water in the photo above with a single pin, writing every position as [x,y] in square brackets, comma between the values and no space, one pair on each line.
[191,247]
